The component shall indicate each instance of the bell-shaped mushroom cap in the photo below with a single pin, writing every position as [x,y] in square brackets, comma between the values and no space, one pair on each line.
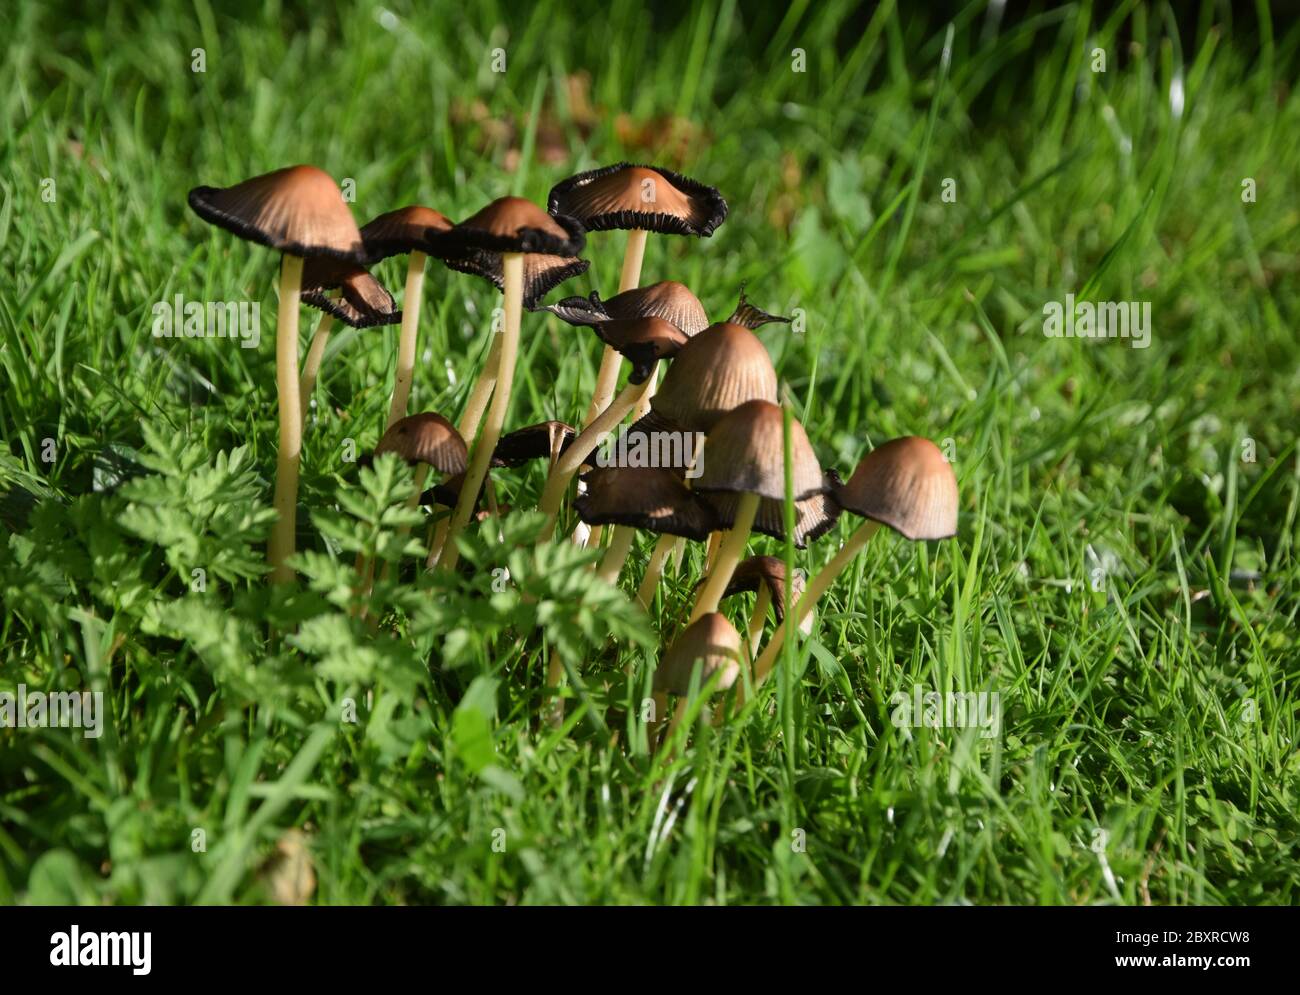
[747,315]
[711,640]
[642,341]
[426,438]
[645,197]
[905,484]
[666,299]
[298,210]
[646,498]
[544,440]
[510,224]
[745,453]
[715,372]
[364,303]
[542,272]
[401,231]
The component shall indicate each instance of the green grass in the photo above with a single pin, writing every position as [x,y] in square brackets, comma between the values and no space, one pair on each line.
[1161,711]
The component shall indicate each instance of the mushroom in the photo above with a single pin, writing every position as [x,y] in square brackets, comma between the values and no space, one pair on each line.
[426,440]
[767,576]
[363,302]
[300,212]
[666,299]
[638,200]
[710,641]
[511,227]
[545,440]
[391,234]
[644,341]
[743,478]
[648,498]
[906,484]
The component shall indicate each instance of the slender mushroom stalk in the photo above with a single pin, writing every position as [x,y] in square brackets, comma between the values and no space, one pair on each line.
[654,570]
[729,554]
[906,484]
[481,392]
[610,360]
[311,364]
[816,588]
[290,450]
[757,619]
[300,212]
[611,564]
[512,264]
[407,341]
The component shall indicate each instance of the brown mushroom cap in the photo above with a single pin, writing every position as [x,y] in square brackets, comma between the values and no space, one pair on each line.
[509,224]
[666,299]
[401,231]
[646,498]
[542,272]
[642,341]
[744,453]
[364,302]
[426,438]
[710,639]
[650,198]
[715,372]
[905,484]
[298,210]
[770,572]
[540,441]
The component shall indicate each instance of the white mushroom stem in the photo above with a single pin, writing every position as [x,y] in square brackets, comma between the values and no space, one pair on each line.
[816,588]
[406,343]
[438,541]
[571,460]
[611,564]
[481,391]
[643,406]
[607,378]
[512,267]
[711,551]
[311,364]
[758,618]
[282,543]
[729,553]
[654,570]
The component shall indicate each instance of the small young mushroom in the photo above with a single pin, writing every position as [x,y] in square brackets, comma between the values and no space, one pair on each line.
[391,234]
[906,484]
[636,199]
[363,302]
[511,227]
[743,478]
[300,212]
[709,641]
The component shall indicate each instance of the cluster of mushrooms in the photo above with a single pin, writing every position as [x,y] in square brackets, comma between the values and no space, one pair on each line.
[720,384]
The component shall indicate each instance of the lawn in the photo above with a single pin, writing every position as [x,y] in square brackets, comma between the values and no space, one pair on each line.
[917,190]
